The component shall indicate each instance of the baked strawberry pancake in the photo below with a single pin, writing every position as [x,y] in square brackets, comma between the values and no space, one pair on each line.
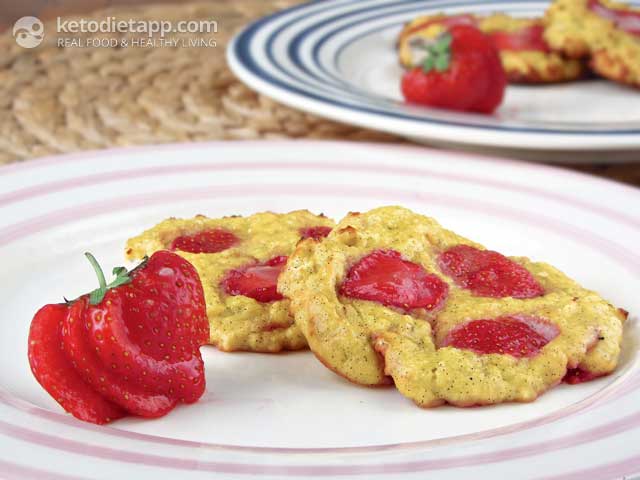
[239,260]
[607,32]
[391,296]
[526,57]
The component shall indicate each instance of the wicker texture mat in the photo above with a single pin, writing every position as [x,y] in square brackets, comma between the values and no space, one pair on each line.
[56,100]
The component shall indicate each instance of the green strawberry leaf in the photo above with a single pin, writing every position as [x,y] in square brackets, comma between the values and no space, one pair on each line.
[119,271]
[438,54]
[428,64]
[443,43]
[442,62]
[119,281]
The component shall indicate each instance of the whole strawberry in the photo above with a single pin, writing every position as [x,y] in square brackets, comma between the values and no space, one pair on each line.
[128,347]
[461,70]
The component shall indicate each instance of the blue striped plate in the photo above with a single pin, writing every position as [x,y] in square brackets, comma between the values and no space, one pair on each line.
[337,59]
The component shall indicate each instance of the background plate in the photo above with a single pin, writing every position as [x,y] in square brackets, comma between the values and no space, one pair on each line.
[337,59]
[286,415]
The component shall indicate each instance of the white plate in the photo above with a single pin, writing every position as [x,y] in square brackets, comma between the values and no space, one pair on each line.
[337,59]
[286,415]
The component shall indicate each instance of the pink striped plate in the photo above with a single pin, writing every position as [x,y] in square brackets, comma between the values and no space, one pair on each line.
[286,415]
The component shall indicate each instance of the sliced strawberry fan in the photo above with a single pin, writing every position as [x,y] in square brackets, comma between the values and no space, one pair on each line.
[128,347]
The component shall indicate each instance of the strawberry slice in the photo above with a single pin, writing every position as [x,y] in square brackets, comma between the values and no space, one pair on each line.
[54,371]
[151,329]
[258,281]
[526,39]
[208,241]
[103,378]
[575,376]
[315,232]
[167,285]
[518,336]
[488,274]
[385,277]
[626,20]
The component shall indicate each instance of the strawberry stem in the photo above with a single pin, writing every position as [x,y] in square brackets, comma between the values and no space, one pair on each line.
[122,278]
[97,295]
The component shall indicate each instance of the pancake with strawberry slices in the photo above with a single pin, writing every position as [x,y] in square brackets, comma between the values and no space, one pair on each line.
[606,32]
[239,260]
[390,296]
[525,55]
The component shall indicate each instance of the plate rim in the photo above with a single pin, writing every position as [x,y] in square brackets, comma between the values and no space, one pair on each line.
[243,64]
[102,153]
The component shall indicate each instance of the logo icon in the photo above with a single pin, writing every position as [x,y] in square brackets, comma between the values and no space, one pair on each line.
[28,32]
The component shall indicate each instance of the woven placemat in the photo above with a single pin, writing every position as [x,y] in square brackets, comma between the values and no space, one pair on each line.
[56,100]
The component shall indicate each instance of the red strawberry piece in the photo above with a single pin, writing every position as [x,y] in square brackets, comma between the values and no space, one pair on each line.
[53,370]
[488,274]
[526,39]
[462,70]
[315,232]
[495,93]
[208,241]
[578,375]
[151,328]
[385,277]
[518,336]
[104,378]
[448,21]
[258,281]
[167,286]
[627,20]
